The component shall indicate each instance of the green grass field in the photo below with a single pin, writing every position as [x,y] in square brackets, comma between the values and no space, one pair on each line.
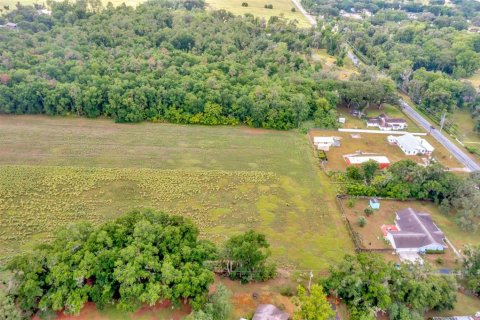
[256,7]
[54,171]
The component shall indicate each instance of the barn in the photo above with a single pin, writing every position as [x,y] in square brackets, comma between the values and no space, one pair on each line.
[383,161]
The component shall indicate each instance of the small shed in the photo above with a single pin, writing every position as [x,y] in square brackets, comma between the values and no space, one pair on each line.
[374,203]
[269,312]
[342,120]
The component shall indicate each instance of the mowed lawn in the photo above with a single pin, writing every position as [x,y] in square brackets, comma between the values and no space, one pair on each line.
[54,171]
[257,8]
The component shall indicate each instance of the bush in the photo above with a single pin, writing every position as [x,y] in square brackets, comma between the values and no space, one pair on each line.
[351,203]
[362,221]
[287,291]
[368,211]
[244,4]
[434,251]
[294,10]
[268,6]
[439,260]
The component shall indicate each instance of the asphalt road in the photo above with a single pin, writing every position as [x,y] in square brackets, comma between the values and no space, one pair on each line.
[461,156]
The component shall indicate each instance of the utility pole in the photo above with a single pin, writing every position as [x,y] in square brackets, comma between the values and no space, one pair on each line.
[310,281]
[442,120]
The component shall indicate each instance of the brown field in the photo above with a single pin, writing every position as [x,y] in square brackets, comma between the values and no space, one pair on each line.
[256,8]
[328,64]
[376,144]
[372,237]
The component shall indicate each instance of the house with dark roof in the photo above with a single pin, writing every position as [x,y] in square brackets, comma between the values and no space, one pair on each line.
[415,232]
[383,122]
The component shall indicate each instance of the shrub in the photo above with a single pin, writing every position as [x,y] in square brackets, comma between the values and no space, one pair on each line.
[368,211]
[362,221]
[434,251]
[439,260]
[351,203]
[268,6]
[294,10]
[244,4]
[287,291]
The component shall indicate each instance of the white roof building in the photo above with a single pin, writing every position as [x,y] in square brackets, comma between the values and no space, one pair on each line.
[382,161]
[324,143]
[412,145]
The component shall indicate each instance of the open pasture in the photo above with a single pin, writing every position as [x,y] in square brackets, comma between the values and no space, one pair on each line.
[54,171]
[257,8]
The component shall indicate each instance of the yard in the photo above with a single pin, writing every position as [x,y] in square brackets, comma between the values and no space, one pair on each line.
[257,8]
[372,237]
[376,144]
[328,64]
[391,111]
[54,171]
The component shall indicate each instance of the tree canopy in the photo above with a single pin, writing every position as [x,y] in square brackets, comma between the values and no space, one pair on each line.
[139,258]
[369,284]
[245,257]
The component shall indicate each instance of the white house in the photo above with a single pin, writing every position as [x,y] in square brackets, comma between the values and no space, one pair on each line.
[324,143]
[383,122]
[411,145]
[415,232]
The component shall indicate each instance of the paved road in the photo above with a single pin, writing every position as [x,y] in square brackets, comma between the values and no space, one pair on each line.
[461,156]
[450,146]
[299,6]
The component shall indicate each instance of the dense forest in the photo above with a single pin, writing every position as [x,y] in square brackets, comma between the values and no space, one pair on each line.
[425,49]
[160,62]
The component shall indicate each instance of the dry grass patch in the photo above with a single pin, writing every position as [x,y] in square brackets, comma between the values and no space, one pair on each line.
[257,8]
[328,64]
[54,171]
[376,144]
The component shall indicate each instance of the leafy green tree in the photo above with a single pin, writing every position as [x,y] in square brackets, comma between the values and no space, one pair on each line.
[139,258]
[245,257]
[471,267]
[218,306]
[8,311]
[369,170]
[326,115]
[312,305]
[354,173]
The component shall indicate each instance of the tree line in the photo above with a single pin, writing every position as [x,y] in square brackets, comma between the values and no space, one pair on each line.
[140,258]
[166,62]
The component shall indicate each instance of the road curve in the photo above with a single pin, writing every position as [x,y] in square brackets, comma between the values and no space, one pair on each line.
[449,145]
[299,6]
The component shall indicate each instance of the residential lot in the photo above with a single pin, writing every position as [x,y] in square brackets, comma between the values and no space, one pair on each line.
[54,171]
[375,144]
[372,237]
